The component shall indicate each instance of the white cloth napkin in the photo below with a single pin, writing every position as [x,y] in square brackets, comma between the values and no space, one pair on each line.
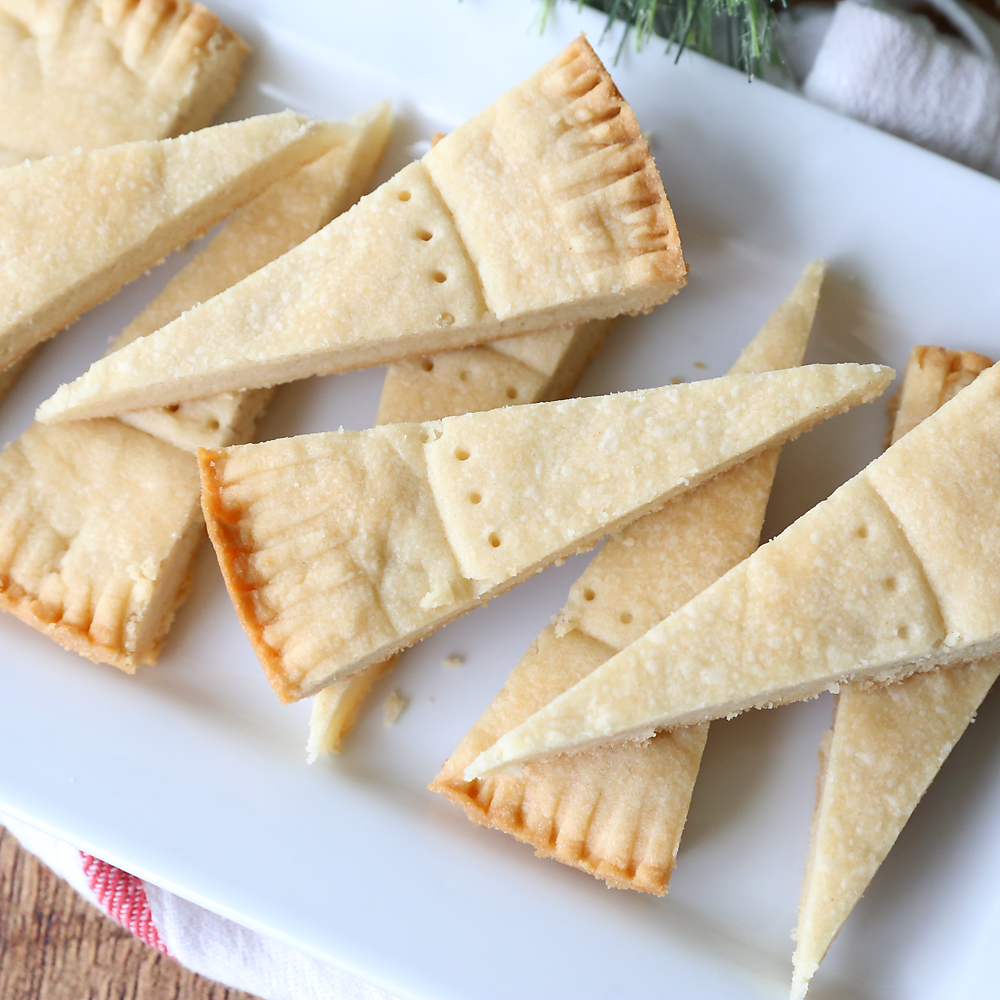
[200,940]
[894,71]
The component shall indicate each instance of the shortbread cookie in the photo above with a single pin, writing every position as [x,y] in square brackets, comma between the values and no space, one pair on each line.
[887,743]
[85,74]
[897,572]
[885,748]
[618,812]
[525,369]
[933,376]
[280,219]
[544,210]
[340,549]
[75,228]
[97,536]
[335,709]
[99,521]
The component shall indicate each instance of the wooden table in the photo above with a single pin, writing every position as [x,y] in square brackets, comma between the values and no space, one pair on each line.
[56,946]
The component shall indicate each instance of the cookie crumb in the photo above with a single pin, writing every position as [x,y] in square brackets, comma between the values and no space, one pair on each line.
[455,660]
[394,706]
[701,365]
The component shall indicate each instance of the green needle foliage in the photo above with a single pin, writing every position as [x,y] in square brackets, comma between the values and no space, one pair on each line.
[739,32]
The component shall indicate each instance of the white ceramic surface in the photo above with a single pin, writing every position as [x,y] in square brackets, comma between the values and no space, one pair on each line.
[192,775]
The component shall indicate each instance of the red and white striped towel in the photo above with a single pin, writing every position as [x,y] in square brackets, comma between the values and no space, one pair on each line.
[200,940]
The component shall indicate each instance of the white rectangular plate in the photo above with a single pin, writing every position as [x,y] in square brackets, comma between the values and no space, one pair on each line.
[191,774]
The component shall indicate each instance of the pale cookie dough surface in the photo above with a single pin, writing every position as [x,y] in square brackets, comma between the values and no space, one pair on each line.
[416,267]
[565,200]
[899,571]
[77,560]
[933,376]
[617,812]
[339,548]
[75,228]
[604,459]
[886,746]
[33,486]
[84,74]
[942,483]
[397,555]
[525,369]
[335,709]
[888,743]
[287,213]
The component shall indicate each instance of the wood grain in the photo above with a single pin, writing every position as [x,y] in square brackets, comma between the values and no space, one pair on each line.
[56,946]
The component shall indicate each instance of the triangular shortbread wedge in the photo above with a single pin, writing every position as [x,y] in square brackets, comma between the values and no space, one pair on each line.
[618,812]
[271,225]
[99,521]
[887,743]
[885,749]
[544,210]
[526,369]
[98,526]
[75,228]
[85,74]
[340,549]
[897,572]
[933,376]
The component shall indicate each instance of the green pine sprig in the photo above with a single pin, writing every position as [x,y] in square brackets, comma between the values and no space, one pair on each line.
[739,32]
